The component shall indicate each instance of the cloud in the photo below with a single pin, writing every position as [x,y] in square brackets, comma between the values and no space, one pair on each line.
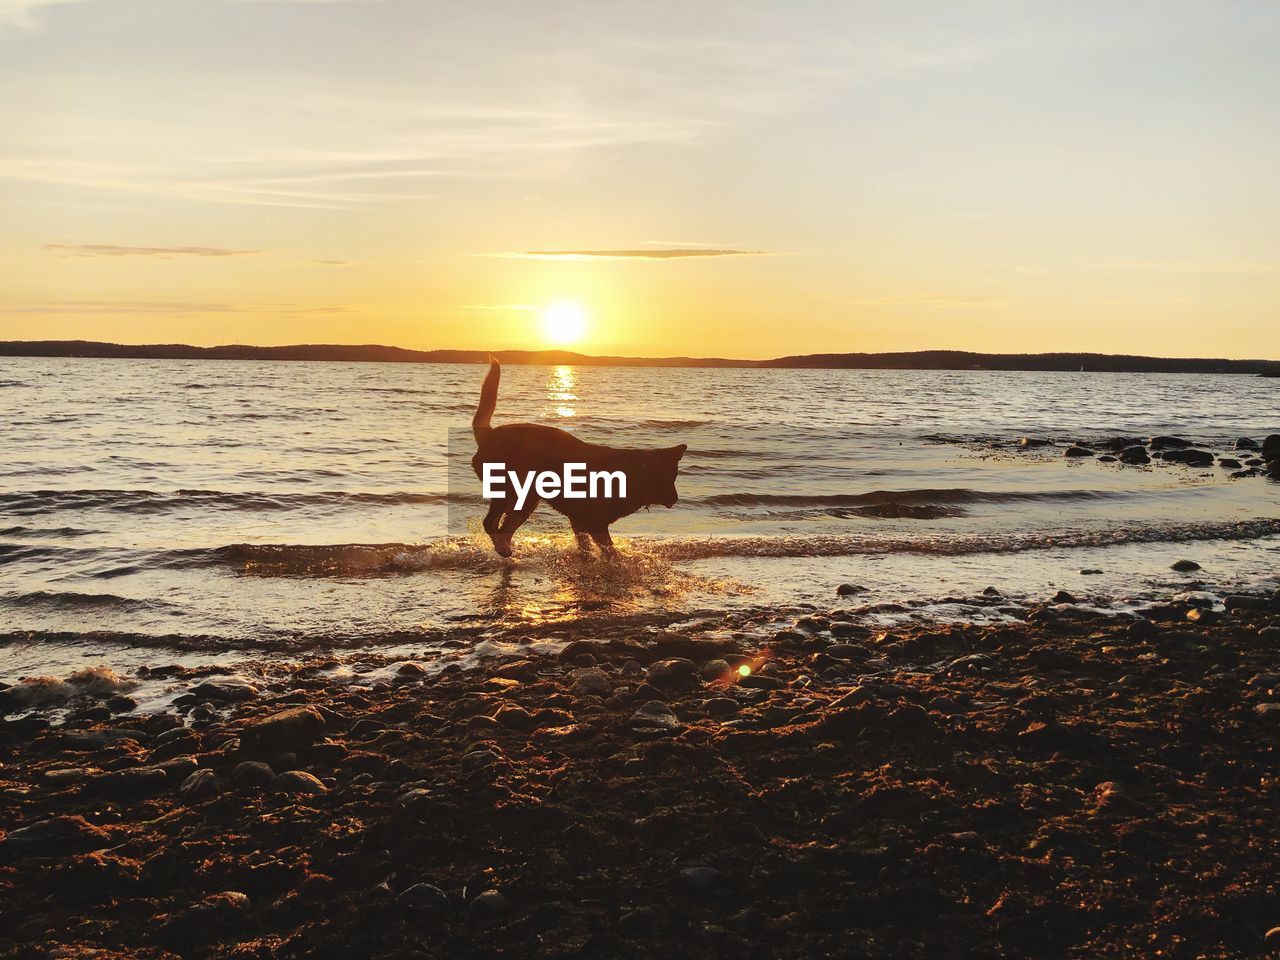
[1186,267]
[24,14]
[918,300]
[667,253]
[170,307]
[115,307]
[164,253]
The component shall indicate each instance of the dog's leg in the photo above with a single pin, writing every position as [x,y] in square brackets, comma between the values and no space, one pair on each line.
[580,534]
[600,535]
[491,521]
[511,523]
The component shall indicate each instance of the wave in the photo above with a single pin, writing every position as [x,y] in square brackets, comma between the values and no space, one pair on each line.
[71,600]
[465,553]
[946,495]
[36,502]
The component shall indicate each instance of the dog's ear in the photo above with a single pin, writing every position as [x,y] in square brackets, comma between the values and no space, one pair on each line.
[679,451]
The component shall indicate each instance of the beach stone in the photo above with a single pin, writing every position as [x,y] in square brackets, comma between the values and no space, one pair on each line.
[202,784]
[1192,458]
[850,589]
[847,651]
[1203,615]
[1120,443]
[591,682]
[674,674]
[121,703]
[1028,443]
[844,629]
[411,668]
[515,717]
[177,769]
[1078,452]
[1090,572]
[56,835]
[655,715]
[715,670]
[252,775]
[286,730]
[298,782]
[97,739]
[574,650]
[489,906]
[1227,463]
[722,706]
[224,691]
[1271,634]
[1062,597]
[1271,448]
[130,783]
[1134,456]
[1107,458]
[68,775]
[1268,711]
[1168,443]
[1185,566]
[702,879]
[1247,443]
[426,897]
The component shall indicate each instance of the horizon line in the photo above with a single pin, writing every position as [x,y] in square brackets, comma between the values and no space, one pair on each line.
[369,352]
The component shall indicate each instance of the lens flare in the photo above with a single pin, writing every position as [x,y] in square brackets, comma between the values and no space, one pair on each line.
[744,670]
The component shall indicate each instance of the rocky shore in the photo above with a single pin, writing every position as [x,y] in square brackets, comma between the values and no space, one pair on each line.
[1075,785]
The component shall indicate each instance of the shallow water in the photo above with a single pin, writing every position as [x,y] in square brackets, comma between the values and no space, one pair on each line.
[188,504]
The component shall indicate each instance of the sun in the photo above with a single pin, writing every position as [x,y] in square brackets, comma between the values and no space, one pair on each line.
[564,322]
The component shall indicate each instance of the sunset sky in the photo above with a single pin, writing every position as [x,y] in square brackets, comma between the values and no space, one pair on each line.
[701,178]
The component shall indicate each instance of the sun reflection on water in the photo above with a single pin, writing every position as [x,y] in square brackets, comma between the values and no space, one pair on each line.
[562,385]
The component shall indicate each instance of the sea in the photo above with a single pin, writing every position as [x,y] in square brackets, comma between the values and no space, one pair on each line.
[160,511]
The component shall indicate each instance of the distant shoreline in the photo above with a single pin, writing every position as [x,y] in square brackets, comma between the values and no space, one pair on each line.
[913,360]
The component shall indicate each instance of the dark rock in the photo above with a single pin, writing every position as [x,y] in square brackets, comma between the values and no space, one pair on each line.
[286,730]
[1185,566]
[489,906]
[1192,458]
[703,879]
[121,703]
[1247,443]
[1227,463]
[1203,615]
[1107,458]
[202,784]
[56,835]
[1168,443]
[1062,597]
[411,669]
[714,670]
[1079,452]
[850,589]
[1028,443]
[1090,572]
[1135,456]
[674,674]
[1244,601]
[427,898]
[591,682]
[1270,634]
[1271,448]
[252,775]
[655,716]
[298,782]
[130,783]
[224,691]
[847,651]
[1116,444]
[515,717]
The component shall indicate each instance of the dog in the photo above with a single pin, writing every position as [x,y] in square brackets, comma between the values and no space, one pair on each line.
[526,448]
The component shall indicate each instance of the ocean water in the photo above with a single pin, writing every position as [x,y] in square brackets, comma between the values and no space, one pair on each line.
[200,506]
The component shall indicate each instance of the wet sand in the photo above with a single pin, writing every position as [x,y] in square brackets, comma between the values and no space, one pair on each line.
[1074,785]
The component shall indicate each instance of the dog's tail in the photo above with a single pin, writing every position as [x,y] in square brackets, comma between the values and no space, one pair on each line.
[488,400]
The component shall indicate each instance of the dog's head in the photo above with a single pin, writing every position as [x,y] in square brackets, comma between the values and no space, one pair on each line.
[658,476]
